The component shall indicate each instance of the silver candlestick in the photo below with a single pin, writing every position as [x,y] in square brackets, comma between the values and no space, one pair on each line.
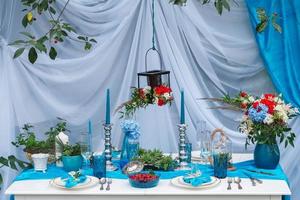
[107,151]
[183,165]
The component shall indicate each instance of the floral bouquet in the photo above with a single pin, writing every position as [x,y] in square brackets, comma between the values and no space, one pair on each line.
[265,118]
[142,97]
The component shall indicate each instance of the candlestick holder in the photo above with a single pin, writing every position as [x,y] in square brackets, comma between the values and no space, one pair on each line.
[183,165]
[107,151]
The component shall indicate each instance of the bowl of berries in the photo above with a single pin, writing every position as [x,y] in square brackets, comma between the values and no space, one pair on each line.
[144,180]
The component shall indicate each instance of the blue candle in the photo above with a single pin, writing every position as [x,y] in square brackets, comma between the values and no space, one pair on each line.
[182,115]
[90,136]
[107,114]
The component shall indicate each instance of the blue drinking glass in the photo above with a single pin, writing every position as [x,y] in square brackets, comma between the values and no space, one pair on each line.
[220,164]
[99,165]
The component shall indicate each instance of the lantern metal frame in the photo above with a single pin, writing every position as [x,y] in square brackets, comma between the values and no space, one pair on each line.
[154,77]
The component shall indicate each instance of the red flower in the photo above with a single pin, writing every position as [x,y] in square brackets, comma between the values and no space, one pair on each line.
[255,104]
[243,105]
[141,93]
[160,102]
[160,90]
[270,104]
[243,94]
[269,96]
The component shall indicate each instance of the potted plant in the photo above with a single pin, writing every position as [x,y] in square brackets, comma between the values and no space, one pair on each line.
[265,122]
[71,157]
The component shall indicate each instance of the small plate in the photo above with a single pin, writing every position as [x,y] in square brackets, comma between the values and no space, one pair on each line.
[178,181]
[89,182]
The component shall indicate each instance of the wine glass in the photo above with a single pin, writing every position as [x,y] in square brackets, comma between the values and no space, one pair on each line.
[85,149]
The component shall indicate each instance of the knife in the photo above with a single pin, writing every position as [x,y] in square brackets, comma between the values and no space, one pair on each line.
[260,172]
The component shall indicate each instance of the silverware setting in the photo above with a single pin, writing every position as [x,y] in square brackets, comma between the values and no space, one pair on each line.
[109,181]
[229,181]
[102,181]
[252,179]
[238,181]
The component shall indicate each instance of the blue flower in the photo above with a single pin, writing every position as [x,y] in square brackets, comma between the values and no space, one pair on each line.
[131,128]
[258,114]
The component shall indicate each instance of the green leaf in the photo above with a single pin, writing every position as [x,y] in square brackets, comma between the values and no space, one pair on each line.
[52,10]
[93,40]
[87,46]
[32,55]
[226,5]
[1,180]
[41,47]
[261,26]
[17,42]
[81,38]
[52,53]
[4,161]
[219,6]
[277,27]
[18,52]
[25,21]
[12,163]
[27,34]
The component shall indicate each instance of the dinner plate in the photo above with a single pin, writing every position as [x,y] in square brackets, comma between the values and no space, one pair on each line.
[89,182]
[178,181]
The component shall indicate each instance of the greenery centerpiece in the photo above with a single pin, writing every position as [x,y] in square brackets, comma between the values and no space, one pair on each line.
[155,160]
[71,156]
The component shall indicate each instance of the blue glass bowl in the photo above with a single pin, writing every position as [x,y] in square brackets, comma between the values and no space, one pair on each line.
[139,184]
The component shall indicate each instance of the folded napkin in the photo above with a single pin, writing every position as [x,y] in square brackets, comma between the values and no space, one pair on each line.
[196,180]
[73,179]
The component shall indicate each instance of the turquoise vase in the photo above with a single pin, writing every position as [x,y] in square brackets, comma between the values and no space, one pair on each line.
[266,156]
[72,163]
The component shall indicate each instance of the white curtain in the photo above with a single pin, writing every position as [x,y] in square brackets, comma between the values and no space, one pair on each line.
[207,54]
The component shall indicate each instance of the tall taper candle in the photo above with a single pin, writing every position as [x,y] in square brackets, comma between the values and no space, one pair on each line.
[90,136]
[107,114]
[182,114]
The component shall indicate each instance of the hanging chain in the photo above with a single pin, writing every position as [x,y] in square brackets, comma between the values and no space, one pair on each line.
[153,27]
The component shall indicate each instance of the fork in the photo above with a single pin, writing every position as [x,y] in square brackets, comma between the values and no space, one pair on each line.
[229,181]
[238,181]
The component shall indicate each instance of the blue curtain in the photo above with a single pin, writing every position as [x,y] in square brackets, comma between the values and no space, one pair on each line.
[280,51]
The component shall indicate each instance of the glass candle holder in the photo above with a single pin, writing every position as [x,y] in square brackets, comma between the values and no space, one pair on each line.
[99,165]
[220,160]
[188,152]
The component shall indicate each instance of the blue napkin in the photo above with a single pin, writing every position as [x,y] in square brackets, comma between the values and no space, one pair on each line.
[196,180]
[72,181]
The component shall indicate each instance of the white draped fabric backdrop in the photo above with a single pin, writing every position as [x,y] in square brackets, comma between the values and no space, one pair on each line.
[207,55]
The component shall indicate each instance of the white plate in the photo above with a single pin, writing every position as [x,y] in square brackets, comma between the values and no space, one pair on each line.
[89,182]
[178,181]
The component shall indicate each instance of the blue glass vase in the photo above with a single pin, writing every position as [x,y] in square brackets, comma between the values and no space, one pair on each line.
[130,149]
[99,165]
[266,156]
[220,161]
[72,163]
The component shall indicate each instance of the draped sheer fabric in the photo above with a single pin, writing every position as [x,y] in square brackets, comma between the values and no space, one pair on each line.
[207,55]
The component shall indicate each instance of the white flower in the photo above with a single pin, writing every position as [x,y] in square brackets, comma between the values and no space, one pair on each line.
[245,101]
[146,89]
[251,99]
[167,95]
[269,119]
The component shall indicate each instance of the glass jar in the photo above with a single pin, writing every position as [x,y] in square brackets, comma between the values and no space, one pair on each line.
[221,153]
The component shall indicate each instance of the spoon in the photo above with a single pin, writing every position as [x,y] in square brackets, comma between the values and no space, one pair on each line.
[102,182]
[238,181]
[109,181]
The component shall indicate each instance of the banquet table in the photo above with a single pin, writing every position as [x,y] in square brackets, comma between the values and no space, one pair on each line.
[120,189]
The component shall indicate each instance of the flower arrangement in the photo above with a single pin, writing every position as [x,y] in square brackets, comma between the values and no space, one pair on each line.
[265,118]
[142,97]
[131,128]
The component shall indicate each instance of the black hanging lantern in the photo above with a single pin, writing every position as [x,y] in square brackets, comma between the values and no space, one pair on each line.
[154,77]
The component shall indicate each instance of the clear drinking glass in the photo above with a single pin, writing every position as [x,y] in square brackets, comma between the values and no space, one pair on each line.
[205,150]
[85,149]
